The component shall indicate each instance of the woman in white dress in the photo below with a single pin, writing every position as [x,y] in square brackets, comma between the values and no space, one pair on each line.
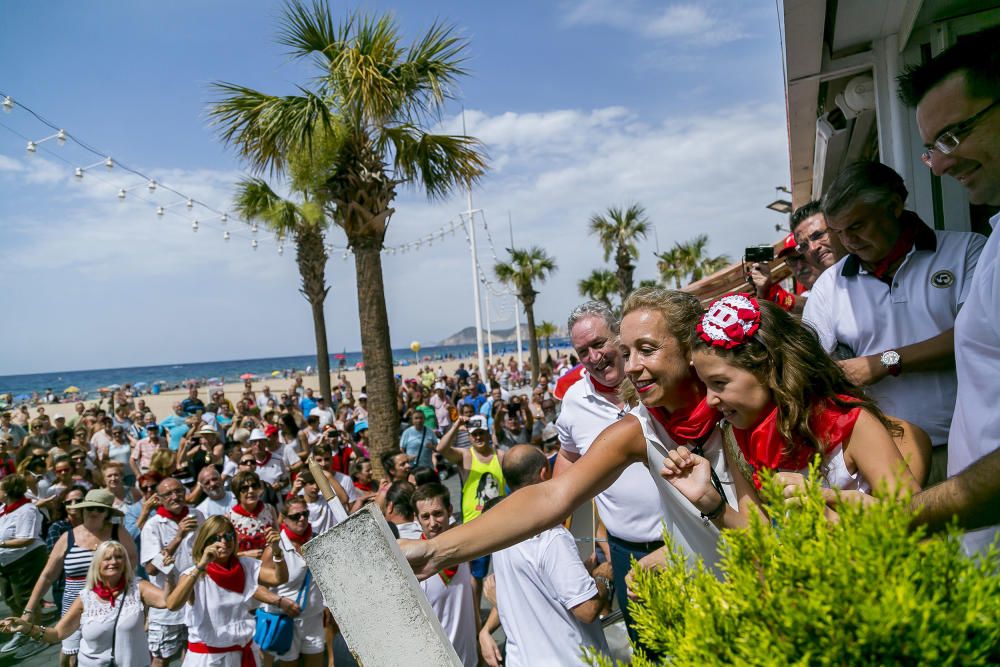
[218,591]
[109,612]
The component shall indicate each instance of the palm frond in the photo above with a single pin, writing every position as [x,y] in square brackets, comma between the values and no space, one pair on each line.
[311,31]
[438,162]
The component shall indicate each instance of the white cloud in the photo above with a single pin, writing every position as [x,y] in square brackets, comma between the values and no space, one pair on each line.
[689,22]
[10,164]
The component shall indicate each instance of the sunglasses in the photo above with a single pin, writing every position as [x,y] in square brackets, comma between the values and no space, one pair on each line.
[77,458]
[229,536]
[248,462]
[298,516]
[96,510]
[148,489]
[256,486]
[60,471]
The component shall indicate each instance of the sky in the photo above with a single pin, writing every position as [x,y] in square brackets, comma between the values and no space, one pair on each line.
[582,105]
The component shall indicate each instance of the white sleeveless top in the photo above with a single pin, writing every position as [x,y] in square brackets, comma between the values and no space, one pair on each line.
[682,520]
[219,617]
[97,625]
[313,601]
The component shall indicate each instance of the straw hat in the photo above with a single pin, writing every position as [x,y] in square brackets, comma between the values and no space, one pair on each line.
[97,498]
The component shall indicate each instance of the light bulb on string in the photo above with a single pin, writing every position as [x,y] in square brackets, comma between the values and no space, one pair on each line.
[109,163]
[152,186]
[281,249]
[159,211]
[8,104]
[225,236]
[224,218]
[194,226]
[61,137]
[190,203]
[253,228]
[253,244]
[345,255]
[121,194]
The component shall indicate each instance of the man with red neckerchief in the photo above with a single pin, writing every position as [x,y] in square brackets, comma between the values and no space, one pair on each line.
[166,543]
[888,308]
[629,508]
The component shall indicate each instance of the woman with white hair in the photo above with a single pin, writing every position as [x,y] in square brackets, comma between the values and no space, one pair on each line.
[109,612]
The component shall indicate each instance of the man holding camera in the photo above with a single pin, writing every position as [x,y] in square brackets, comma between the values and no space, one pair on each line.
[888,308]
[802,271]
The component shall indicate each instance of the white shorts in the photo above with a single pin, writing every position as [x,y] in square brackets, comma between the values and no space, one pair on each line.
[308,639]
[166,641]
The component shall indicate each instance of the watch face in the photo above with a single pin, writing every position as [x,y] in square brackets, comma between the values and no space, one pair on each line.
[890,358]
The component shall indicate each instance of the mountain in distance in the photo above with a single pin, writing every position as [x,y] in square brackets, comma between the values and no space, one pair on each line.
[467,336]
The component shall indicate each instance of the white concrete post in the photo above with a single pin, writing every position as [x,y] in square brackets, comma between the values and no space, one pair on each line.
[377,602]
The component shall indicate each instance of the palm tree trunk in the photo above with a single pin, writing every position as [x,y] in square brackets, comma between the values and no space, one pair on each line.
[311,259]
[529,311]
[383,415]
[624,272]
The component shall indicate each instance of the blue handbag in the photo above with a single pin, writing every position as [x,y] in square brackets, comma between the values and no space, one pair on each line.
[275,631]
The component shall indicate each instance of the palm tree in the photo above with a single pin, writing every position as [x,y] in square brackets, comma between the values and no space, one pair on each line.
[687,262]
[546,330]
[618,231]
[305,224]
[599,286]
[525,268]
[371,101]
[670,266]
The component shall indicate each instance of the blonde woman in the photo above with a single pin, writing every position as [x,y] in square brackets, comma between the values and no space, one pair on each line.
[108,612]
[218,592]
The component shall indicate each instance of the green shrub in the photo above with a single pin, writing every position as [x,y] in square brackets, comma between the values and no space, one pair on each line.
[800,590]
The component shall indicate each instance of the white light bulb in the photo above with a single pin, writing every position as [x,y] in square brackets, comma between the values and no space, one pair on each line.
[121,194]
[109,163]
[253,244]
[190,203]
[78,172]
[152,186]
[194,226]
[253,228]
[8,104]
[281,249]
[225,235]
[61,137]
[159,211]
[225,218]
[32,147]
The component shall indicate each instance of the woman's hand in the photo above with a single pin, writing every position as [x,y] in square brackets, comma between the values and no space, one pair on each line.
[15,624]
[272,537]
[792,485]
[490,650]
[210,553]
[691,475]
[289,607]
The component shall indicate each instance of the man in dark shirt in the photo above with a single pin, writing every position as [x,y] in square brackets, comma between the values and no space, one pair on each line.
[192,404]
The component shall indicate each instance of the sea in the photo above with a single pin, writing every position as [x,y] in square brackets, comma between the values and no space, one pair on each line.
[26,387]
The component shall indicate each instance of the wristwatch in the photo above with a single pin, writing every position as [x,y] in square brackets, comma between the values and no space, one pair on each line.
[890,360]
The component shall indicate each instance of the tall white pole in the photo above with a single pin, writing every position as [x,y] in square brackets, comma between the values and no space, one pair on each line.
[475,280]
[517,327]
[489,325]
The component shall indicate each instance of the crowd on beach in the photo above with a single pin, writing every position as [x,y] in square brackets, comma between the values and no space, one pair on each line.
[166,537]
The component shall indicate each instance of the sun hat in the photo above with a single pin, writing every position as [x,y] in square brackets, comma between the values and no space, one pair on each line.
[97,498]
[257,434]
[207,430]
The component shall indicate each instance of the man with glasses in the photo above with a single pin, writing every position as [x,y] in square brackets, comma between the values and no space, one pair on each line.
[802,271]
[167,539]
[956,96]
[892,302]
[818,246]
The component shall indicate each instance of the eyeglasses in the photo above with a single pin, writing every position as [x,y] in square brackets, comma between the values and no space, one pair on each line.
[228,536]
[78,459]
[147,489]
[948,141]
[298,517]
[254,486]
[248,462]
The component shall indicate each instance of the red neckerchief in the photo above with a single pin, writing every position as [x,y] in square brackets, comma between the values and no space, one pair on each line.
[252,514]
[907,235]
[247,658]
[369,487]
[298,538]
[567,380]
[603,388]
[229,576]
[763,446]
[688,425]
[167,514]
[264,462]
[108,593]
[447,573]
[10,508]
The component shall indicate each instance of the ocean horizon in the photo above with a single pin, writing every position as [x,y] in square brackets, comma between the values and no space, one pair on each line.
[89,381]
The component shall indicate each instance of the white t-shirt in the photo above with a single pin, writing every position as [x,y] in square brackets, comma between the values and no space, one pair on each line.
[324,515]
[455,609]
[538,582]
[849,306]
[25,521]
[975,428]
[158,532]
[629,507]
[410,530]
[325,416]
[209,507]
[313,601]
[219,617]
[273,470]
[681,519]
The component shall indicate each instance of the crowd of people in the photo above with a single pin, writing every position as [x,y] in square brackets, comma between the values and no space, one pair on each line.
[174,537]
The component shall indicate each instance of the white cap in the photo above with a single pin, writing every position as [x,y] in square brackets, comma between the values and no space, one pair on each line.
[257,434]
[57,416]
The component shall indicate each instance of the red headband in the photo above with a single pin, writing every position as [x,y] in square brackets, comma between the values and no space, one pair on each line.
[730,321]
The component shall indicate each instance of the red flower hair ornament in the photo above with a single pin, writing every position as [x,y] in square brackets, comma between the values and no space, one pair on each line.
[730,321]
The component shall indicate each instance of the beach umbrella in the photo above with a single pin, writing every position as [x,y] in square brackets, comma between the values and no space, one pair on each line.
[114,386]
[160,382]
[247,376]
[72,389]
[275,374]
[22,397]
[139,384]
[360,364]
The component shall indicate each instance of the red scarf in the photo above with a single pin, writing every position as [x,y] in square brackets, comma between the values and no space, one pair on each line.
[108,593]
[447,573]
[167,514]
[603,388]
[763,447]
[246,652]
[298,538]
[907,235]
[688,425]
[229,576]
[10,508]
[267,458]
[369,487]
[252,514]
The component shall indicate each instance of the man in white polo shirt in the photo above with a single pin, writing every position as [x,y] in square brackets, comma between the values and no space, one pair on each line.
[629,508]
[548,603]
[956,96]
[888,308]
